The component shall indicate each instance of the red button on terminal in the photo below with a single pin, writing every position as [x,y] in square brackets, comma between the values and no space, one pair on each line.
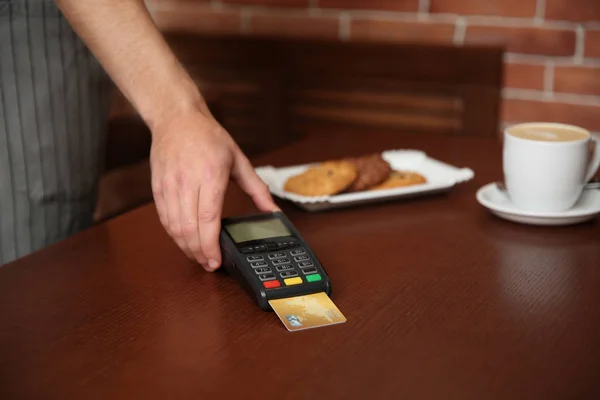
[272,284]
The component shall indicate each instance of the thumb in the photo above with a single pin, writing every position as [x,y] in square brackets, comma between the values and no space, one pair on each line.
[250,182]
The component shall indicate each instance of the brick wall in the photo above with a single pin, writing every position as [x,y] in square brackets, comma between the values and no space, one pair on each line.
[552,64]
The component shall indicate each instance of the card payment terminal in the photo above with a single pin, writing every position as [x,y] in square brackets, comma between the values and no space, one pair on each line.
[269,257]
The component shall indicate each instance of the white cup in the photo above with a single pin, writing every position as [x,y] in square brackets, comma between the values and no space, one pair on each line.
[548,176]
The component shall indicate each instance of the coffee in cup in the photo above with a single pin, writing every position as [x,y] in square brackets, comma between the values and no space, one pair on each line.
[546,165]
[548,133]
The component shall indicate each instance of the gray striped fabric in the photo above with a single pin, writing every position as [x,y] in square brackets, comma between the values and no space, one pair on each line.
[54,100]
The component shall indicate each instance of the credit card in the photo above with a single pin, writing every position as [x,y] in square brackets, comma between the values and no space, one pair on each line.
[308,311]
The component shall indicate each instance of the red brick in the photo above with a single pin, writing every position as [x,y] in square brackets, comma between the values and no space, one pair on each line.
[504,8]
[528,40]
[577,79]
[573,10]
[586,116]
[276,3]
[592,43]
[401,31]
[294,25]
[524,76]
[390,5]
[197,18]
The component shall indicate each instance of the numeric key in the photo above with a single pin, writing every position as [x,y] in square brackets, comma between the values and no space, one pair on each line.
[297,252]
[281,261]
[274,256]
[286,267]
[305,264]
[288,274]
[259,264]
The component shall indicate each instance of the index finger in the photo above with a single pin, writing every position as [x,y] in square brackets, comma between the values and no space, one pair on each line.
[250,182]
[210,204]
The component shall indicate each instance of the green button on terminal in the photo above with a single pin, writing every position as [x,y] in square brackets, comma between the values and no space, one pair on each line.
[313,278]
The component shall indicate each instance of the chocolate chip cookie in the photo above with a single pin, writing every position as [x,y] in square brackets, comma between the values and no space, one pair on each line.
[371,170]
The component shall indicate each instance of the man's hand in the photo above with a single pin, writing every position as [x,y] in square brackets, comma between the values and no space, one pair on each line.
[192,160]
[192,156]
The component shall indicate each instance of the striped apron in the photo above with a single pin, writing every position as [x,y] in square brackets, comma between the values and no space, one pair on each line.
[54,100]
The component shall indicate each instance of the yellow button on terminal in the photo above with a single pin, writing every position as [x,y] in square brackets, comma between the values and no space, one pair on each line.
[293,281]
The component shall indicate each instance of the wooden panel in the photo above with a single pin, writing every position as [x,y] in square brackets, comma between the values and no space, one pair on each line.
[374,99]
[244,101]
[438,89]
[382,103]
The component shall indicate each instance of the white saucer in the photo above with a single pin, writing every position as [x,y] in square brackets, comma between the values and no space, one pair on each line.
[586,208]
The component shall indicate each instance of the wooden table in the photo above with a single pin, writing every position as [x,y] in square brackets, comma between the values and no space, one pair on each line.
[443,300]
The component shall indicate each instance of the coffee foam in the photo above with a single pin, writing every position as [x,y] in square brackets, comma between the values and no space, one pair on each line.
[547,133]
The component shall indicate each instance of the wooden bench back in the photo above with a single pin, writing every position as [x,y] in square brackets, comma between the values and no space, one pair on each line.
[266,91]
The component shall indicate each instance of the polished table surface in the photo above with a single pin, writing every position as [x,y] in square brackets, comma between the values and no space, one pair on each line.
[443,300]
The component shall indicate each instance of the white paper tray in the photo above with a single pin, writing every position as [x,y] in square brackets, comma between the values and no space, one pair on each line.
[440,177]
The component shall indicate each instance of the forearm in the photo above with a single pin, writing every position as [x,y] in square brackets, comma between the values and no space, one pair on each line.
[123,37]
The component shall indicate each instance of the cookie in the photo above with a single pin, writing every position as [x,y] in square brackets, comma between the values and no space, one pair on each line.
[324,179]
[400,179]
[371,170]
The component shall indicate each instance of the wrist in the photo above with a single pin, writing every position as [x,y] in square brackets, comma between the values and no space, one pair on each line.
[176,101]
